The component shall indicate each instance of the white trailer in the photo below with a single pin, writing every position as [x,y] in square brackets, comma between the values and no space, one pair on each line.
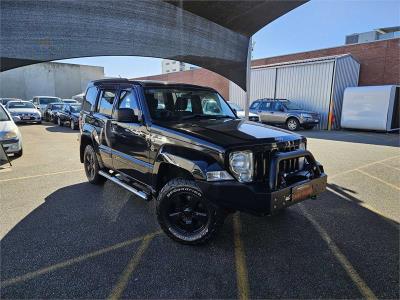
[371,108]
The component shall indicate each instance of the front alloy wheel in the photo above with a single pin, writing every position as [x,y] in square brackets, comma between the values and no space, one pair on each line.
[292,124]
[72,124]
[59,122]
[185,215]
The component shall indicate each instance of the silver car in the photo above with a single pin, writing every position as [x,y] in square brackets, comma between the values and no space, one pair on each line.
[41,102]
[25,111]
[284,112]
[10,136]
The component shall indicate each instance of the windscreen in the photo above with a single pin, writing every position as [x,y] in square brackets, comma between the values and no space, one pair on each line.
[166,104]
[57,106]
[3,115]
[20,105]
[75,108]
[49,100]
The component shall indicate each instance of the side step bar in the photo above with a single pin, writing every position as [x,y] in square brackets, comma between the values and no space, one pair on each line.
[124,185]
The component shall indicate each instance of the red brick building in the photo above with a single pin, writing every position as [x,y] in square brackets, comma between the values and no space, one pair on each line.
[380,65]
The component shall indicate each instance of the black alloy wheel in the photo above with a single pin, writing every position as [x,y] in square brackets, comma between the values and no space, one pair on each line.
[185,215]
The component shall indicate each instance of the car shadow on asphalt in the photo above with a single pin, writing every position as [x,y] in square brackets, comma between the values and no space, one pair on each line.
[353,136]
[62,129]
[286,256]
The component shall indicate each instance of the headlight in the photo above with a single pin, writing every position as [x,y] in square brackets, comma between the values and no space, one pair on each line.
[306,116]
[241,165]
[12,134]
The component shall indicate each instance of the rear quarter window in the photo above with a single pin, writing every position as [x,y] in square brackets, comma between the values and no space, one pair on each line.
[89,100]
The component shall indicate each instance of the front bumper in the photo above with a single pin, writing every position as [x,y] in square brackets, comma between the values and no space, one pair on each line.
[11,146]
[265,198]
[30,119]
[309,121]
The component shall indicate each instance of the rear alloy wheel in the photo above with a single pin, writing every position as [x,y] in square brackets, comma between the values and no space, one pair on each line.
[292,124]
[185,215]
[59,122]
[91,166]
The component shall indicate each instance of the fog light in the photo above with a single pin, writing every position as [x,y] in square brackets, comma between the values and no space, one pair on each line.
[218,176]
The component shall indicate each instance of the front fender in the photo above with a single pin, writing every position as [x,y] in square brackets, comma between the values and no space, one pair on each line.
[193,161]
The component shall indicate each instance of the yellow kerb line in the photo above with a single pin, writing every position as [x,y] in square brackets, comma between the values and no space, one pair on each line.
[240,261]
[365,291]
[73,261]
[363,166]
[123,280]
[39,175]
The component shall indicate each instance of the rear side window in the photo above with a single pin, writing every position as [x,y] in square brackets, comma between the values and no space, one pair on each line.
[276,106]
[254,105]
[89,99]
[266,105]
[106,101]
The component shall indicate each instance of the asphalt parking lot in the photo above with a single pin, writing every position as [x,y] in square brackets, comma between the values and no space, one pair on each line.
[64,238]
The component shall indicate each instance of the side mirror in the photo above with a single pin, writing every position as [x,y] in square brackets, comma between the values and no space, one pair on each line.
[125,115]
[234,111]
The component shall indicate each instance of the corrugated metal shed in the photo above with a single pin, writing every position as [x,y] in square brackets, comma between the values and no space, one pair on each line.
[314,84]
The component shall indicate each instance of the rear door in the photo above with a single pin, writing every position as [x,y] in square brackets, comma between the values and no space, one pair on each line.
[131,140]
[265,111]
[278,114]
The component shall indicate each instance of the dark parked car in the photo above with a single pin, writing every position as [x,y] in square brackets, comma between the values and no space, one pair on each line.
[284,112]
[159,142]
[51,111]
[69,115]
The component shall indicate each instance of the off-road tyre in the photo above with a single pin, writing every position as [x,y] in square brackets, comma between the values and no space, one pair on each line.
[91,166]
[181,188]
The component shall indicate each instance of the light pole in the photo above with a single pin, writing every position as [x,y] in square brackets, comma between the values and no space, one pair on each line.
[248,75]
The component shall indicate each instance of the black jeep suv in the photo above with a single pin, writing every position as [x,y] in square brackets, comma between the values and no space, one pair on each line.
[160,141]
